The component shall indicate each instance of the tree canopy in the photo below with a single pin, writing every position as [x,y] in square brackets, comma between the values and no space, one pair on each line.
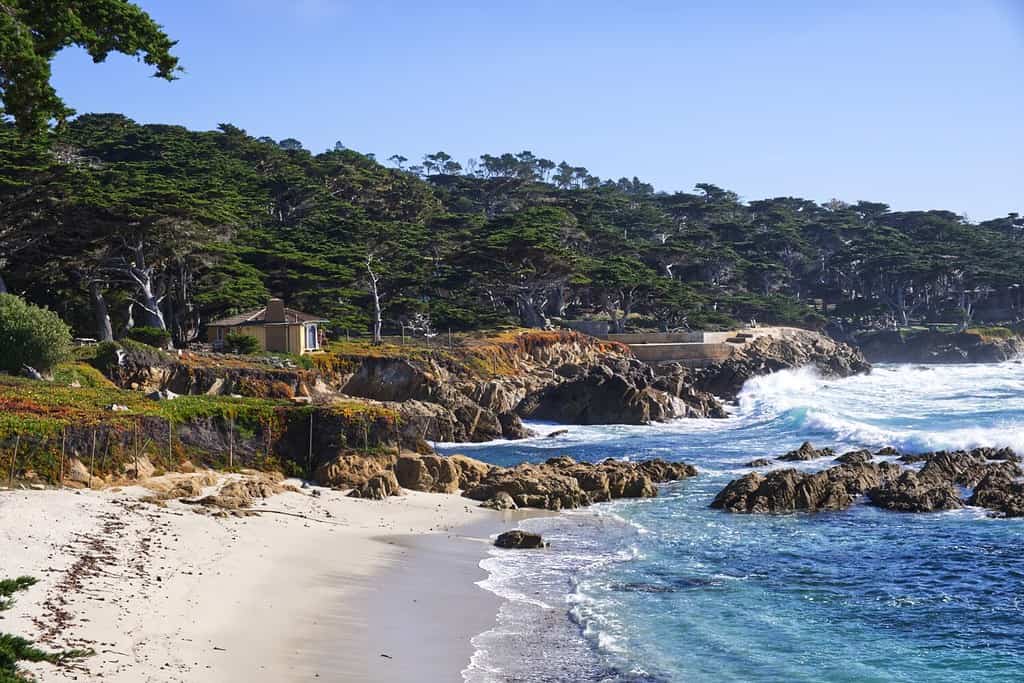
[116,225]
[32,32]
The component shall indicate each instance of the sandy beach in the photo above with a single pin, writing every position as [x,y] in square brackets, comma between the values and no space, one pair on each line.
[312,587]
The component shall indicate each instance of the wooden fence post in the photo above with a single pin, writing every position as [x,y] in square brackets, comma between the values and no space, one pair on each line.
[92,456]
[63,446]
[231,442]
[170,445]
[14,460]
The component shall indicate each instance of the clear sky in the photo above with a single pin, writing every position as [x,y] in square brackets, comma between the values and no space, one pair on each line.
[916,103]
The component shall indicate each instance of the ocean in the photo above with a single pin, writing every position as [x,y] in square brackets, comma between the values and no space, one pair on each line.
[666,589]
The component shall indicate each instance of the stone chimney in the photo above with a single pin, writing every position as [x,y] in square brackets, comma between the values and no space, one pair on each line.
[275,311]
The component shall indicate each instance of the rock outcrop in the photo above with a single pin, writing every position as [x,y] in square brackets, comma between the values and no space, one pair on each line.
[768,354]
[378,487]
[519,539]
[791,490]
[911,492]
[888,346]
[562,482]
[994,474]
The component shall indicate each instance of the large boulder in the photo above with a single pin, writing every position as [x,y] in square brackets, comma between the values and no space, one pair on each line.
[432,473]
[352,470]
[378,487]
[519,539]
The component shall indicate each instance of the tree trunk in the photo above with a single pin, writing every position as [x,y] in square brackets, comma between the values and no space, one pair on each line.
[3,285]
[104,332]
[530,314]
[378,318]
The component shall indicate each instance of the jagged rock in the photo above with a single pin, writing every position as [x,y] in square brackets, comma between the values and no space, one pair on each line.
[887,450]
[791,490]
[238,494]
[519,540]
[531,486]
[911,493]
[501,501]
[622,394]
[759,462]
[378,487]
[999,492]
[564,483]
[806,452]
[858,457]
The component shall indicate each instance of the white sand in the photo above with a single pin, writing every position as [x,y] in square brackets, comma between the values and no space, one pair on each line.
[165,594]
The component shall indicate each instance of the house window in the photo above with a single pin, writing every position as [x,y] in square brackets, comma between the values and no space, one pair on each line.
[312,342]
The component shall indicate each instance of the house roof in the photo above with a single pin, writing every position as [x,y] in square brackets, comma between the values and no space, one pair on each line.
[259,317]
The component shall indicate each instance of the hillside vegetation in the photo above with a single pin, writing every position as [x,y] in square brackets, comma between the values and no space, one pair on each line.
[115,224]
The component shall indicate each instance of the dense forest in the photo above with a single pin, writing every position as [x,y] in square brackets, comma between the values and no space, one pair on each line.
[115,224]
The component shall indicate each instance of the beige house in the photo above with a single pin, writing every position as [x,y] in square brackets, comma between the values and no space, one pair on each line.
[275,327]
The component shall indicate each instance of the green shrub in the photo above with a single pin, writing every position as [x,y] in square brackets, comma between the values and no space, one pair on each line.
[242,343]
[153,336]
[31,336]
[135,354]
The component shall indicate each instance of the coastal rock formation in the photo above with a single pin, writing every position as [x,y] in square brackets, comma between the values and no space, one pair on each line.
[759,462]
[768,354]
[806,452]
[351,470]
[622,394]
[519,539]
[501,501]
[1001,493]
[912,492]
[993,473]
[791,490]
[858,457]
[378,487]
[562,482]
[430,473]
[889,346]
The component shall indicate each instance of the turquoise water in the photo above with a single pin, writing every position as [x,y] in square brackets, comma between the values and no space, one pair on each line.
[668,590]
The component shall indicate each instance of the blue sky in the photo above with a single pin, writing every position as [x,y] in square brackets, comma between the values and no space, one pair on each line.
[918,104]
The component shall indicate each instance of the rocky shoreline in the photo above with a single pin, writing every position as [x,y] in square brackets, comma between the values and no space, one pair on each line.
[887,346]
[556,484]
[924,482]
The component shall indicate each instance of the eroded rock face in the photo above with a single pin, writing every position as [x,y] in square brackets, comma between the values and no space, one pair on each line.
[605,395]
[501,501]
[352,470]
[993,473]
[1000,493]
[378,487]
[431,473]
[791,490]
[913,493]
[564,483]
[519,539]
[937,347]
